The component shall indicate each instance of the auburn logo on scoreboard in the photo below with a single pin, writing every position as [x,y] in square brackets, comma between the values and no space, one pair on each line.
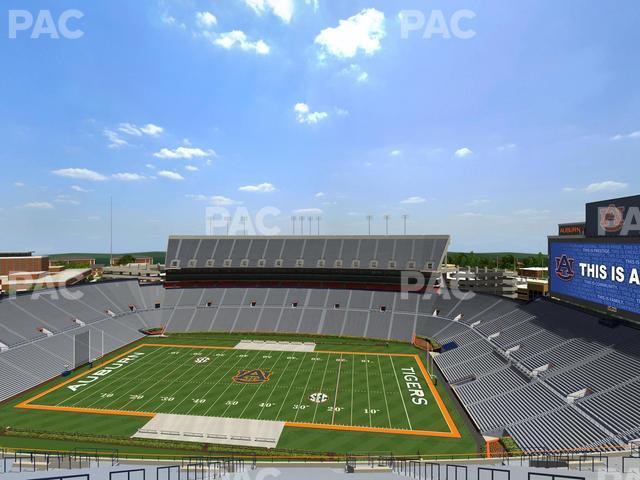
[251,376]
[565,270]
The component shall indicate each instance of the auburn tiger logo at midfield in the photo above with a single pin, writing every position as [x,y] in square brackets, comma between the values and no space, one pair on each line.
[251,376]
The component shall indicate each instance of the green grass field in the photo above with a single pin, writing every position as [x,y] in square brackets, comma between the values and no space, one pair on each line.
[359,395]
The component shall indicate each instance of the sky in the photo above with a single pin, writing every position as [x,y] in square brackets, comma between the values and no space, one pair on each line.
[491,121]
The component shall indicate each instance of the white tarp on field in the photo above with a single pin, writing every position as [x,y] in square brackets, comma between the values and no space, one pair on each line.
[272,345]
[227,431]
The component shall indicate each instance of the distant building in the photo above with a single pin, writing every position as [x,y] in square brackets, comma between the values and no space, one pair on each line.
[484,280]
[532,289]
[74,260]
[26,281]
[22,262]
[142,272]
[534,272]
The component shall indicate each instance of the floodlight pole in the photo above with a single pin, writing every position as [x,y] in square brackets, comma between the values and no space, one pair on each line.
[369,218]
[111,230]
[386,224]
[244,225]
[293,224]
[310,218]
[228,220]
[318,219]
[301,218]
[404,221]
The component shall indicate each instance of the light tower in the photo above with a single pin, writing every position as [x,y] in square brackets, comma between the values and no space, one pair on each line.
[404,221]
[386,224]
[228,222]
[369,218]
[293,224]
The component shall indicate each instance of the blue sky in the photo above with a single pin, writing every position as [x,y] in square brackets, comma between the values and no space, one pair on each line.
[315,108]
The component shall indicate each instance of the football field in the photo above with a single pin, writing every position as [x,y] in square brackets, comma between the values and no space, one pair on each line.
[358,391]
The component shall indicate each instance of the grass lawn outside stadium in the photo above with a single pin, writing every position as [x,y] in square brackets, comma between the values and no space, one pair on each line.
[349,395]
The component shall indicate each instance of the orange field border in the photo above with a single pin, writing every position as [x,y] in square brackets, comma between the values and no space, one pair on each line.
[452,433]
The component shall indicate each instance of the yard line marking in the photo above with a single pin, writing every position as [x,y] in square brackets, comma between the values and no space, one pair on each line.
[324,375]
[304,357]
[366,369]
[277,385]
[104,384]
[353,370]
[335,400]
[258,352]
[259,386]
[305,389]
[384,392]
[175,380]
[206,394]
[224,362]
[163,374]
[244,386]
[400,391]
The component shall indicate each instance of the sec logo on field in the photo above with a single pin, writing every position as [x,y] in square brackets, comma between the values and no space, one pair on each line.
[318,397]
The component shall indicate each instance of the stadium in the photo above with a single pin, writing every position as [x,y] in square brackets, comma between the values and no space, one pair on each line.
[310,346]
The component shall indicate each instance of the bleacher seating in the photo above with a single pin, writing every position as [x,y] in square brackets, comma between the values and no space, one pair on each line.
[501,394]
[370,252]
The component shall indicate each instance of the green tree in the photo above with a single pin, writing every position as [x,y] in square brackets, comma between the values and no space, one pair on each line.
[126,259]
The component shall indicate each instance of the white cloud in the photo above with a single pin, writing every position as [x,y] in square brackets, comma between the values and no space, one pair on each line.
[361,32]
[170,175]
[77,188]
[171,21]
[568,189]
[608,185]
[18,184]
[238,38]
[314,3]
[220,201]
[506,147]
[67,199]
[356,72]
[621,136]
[478,202]
[128,177]
[114,139]
[395,153]
[148,129]
[206,19]
[414,200]
[260,188]
[216,200]
[184,152]
[308,211]
[463,152]
[305,115]
[150,166]
[280,8]
[80,174]
[191,168]
[39,205]
[319,195]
